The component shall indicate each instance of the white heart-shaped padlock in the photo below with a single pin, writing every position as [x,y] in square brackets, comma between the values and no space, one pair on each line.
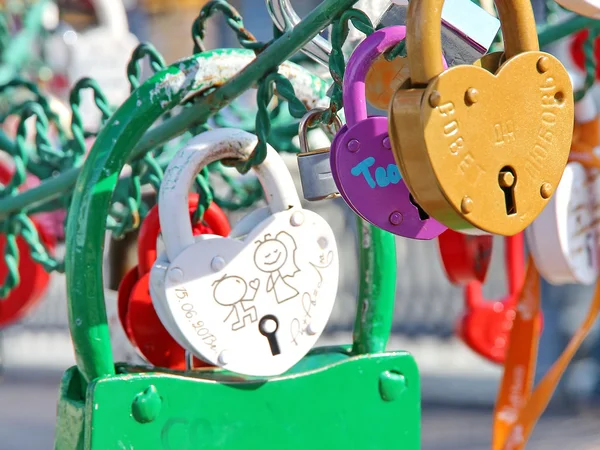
[254,304]
[562,239]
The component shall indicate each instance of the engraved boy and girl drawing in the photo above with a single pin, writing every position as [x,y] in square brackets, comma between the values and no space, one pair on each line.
[275,256]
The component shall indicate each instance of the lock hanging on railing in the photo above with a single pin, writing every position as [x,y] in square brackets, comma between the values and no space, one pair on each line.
[315,169]
[479,149]
[136,311]
[255,304]
[362,162]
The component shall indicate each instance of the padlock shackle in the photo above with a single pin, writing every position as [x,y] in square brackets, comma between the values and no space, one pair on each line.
[424,29]
[305,123]
[363,57]
[361,60]
[514,264]
[199,152]
[150,229]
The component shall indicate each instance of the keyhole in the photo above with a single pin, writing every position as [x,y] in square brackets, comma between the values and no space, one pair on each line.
[268,326]
[422,214]
[507,179]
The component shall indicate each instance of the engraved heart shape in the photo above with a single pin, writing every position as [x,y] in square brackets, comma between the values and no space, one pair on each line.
[486,150]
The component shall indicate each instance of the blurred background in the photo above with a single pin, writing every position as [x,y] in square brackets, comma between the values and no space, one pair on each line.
[458,387]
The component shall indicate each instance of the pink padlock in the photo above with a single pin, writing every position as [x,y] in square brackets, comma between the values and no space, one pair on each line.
[362,163]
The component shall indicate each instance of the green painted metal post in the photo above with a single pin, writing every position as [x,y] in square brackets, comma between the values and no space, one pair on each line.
[376,291]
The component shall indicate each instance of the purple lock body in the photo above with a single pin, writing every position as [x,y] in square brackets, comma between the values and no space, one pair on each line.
[362,162]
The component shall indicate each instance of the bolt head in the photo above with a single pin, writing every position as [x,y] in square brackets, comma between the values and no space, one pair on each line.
[543,64]
[311,329]
[353,145]
[322,243]
[546,190]
[435,99]
[466,205]
[176,275]
[471,96]
[217,264]
[396,218]
[224,358]
[386,143]
[297,219]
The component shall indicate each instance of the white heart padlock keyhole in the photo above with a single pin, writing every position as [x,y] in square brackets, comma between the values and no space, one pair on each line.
[253,304]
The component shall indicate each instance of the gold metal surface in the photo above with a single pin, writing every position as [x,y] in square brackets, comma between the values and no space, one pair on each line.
[423,34]
[449,148]
[482,146]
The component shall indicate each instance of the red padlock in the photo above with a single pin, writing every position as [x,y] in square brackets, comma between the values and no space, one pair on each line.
[465,258]
[486,324]
[136,311]
[33,278]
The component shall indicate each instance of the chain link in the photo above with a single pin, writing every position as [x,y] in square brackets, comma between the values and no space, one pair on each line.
[337,62]
[79,148]
[234,21]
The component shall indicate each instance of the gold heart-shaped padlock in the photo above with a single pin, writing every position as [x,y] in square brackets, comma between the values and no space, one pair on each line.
[476,148]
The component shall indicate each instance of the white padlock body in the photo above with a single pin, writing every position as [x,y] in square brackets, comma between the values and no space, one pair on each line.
[562,239]
[254,302]
[286,272]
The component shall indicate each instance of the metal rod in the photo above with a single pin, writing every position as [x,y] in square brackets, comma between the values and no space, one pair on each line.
[552,33]
[376,291]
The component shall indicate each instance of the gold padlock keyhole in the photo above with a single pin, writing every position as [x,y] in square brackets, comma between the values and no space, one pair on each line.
[507,179]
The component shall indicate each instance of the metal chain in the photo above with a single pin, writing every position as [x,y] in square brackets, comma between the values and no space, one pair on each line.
[20,224]
[264,96]
[337,62]
[127,210]
[234,21]
[78,147]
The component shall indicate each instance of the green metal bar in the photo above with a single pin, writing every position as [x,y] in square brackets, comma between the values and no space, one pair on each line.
[552,33]
[95,186]
[19,50]
[376,291]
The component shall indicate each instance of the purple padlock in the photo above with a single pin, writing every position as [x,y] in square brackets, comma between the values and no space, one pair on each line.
[362,162]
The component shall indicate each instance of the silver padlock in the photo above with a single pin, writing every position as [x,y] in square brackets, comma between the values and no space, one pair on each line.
[468,31]
[315,170]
